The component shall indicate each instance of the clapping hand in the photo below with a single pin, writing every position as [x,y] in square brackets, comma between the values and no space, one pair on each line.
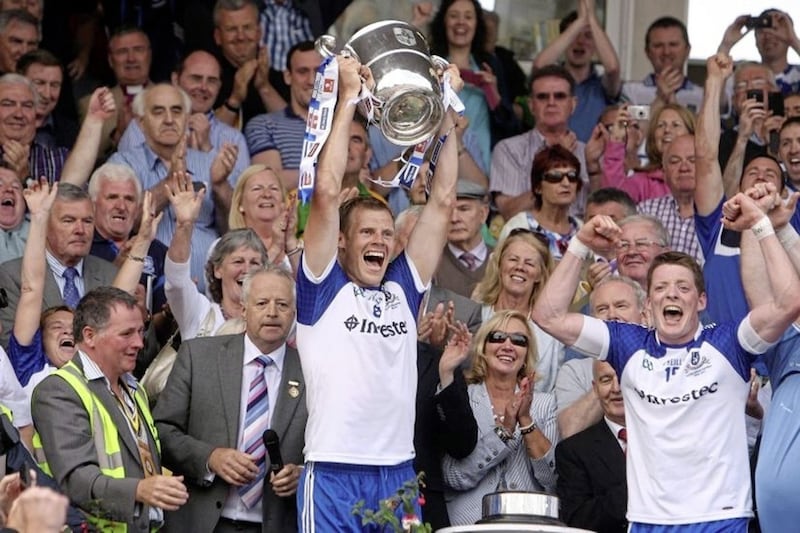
[223,163]
[455,353]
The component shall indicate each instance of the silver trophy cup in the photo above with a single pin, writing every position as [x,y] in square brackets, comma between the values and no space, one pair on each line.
[407,89]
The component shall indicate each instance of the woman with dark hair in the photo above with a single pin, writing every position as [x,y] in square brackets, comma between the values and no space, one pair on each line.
[233,256]
[458,33]
[517,430]
[555,183]
[670,122]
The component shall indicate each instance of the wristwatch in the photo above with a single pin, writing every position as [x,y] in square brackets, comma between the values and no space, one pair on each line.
[503,433]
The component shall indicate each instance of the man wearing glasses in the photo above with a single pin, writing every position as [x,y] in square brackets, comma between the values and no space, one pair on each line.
[552,104]
[643,237]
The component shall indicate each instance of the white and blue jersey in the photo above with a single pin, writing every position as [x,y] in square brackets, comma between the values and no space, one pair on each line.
[358,349]
[684,409]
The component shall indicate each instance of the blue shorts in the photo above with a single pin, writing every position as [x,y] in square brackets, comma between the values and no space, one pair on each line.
[733,525]
[329,491]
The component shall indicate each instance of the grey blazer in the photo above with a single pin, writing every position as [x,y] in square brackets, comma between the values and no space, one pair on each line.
[63,423]
[96,273]
[199,411]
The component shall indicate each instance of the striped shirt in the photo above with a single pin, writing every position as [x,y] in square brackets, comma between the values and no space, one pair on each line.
[280,130]
[218,134]
[682,235]
[44,161]
[151,171]
[283,26]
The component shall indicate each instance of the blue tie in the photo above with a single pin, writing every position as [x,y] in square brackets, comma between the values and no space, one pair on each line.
[71,296]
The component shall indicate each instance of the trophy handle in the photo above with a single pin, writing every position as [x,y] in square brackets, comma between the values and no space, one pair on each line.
[325,45]
[439,62]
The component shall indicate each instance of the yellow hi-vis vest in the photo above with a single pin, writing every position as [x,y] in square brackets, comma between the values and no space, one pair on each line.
[104,434]
[6,411]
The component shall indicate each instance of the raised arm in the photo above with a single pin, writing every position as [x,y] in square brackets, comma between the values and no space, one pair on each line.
[39,197]
[551,311]
[427,239]
[753,113]
[130,272]
[612,80]
[553,52]
[770,318]
[709,191]
[322,229]
[80,162]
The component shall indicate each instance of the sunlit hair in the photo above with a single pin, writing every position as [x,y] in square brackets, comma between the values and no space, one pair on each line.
[488,290]
[638,293]
[679,259]
[50,311]
[18,79]
[547,159]
[348,210]
[138,105]
[94,309]
[687,117]
[499,321]
[231,5]
[659,231]
[113,173]
[229,243]
[236,216]
[268,268]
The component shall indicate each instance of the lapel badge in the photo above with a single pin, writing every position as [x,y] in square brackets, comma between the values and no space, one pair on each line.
[294,388]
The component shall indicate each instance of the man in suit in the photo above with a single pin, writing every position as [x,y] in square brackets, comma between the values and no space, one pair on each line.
[203,417]
[69,239]
[591,464]
[95,425]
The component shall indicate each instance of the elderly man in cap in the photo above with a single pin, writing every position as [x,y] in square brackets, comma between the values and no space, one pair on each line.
[463,262]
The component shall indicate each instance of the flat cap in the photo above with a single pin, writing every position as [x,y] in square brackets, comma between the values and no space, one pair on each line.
[470,190]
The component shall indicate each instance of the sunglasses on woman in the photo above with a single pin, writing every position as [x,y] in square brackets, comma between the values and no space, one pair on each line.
[555,176]
[499,337]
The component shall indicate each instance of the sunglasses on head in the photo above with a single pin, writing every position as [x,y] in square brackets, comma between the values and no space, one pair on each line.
[556,176]
[499,337]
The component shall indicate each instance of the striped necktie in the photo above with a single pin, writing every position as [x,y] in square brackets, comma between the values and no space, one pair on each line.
[255,422]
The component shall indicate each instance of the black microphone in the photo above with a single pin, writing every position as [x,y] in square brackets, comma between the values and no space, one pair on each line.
[273,445]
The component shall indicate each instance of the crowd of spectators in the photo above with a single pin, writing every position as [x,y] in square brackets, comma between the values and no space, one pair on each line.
[186,344]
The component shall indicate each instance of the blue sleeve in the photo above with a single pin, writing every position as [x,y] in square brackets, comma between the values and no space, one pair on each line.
[26,360]
[399,271]
[314,298]
[708,228]
[725,338]
[625,340]
[258,135]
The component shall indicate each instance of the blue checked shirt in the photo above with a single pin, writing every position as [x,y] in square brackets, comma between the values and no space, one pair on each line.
[151,171]
[682,235]
[283,26]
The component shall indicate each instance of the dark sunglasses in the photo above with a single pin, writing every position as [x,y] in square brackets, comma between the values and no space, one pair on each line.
[499,337]
[556,176]
[545,97]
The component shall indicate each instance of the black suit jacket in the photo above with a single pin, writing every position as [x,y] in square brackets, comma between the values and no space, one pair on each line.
[199,411]
[591,480]
[444,424]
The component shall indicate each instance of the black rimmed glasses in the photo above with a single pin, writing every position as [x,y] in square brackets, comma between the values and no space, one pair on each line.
[557,176]
[499,337]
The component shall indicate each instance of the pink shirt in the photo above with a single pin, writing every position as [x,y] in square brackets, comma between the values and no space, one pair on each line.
[641,185]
